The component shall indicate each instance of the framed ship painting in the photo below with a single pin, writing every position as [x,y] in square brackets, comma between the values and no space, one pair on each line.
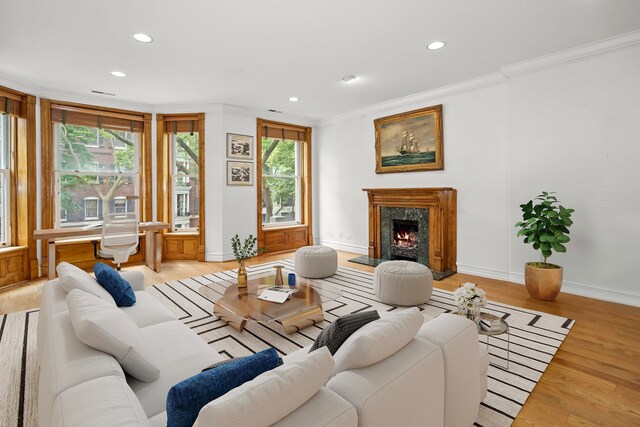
[410,141]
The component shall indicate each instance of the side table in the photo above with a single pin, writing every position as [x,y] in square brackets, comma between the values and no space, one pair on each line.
[504,329]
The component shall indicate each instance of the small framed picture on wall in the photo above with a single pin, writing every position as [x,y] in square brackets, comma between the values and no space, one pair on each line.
[239,173]
[239,146]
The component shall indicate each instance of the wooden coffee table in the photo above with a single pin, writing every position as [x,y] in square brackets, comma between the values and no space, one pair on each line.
[239,306]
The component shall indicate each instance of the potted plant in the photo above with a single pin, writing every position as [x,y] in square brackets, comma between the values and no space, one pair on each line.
[544,224]
[243,251]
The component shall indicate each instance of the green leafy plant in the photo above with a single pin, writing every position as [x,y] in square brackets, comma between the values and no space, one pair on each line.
[244,250]
[545,224]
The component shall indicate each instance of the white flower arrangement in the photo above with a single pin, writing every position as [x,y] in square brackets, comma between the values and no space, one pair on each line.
[470,296]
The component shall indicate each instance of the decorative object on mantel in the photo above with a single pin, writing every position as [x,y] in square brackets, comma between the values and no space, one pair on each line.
[239,146]
[470,299]
[239,173]
[545,225]
[410,141]
[244,251]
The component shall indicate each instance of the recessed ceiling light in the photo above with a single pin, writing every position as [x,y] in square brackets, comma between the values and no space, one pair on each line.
[435,45]
[348,78]
[118,74]
[294,99]
[143,38]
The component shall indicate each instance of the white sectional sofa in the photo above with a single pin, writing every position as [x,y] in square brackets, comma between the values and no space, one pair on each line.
[437,379]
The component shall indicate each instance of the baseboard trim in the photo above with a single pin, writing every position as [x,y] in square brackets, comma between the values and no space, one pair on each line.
[362,250]
[590,291]
[218,256]
[490,273]
[569,287]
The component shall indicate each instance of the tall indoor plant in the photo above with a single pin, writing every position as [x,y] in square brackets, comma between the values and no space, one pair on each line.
[243,251]
[545,225]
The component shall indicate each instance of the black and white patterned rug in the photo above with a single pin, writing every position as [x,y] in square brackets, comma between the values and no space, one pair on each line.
[535,338]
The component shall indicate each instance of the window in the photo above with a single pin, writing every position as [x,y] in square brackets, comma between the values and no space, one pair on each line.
[185,171]
[182,205]
[280,182]
[17,186]
[180,202]
[91,208]
[283,175]
[119,205]
[97,164]
[5,179]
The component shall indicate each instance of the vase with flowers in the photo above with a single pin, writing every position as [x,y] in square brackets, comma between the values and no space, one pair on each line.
[470,299]
[243,251]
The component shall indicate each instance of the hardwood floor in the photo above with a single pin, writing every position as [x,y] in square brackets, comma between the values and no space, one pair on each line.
[594,379]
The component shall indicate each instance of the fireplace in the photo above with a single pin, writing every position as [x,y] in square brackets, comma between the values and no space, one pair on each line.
[416,224]
[404,240]
[404,234]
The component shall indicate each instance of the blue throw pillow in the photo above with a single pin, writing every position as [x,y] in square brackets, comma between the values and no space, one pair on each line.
[186,398]
[120,289]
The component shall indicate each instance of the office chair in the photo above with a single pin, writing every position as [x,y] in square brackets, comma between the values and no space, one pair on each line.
[119,238]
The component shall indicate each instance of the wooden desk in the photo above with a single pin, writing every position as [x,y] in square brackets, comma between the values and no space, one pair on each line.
[152,236]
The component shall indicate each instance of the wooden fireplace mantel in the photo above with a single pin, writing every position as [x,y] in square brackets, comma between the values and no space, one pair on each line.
[441,203]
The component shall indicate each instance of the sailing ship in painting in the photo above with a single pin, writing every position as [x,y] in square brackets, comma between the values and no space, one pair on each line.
[410,152]
[410,144]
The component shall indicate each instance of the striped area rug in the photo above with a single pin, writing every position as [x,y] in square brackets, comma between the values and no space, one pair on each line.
[535,338]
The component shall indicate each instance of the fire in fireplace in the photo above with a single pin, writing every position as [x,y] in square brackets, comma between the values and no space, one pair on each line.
[404,240]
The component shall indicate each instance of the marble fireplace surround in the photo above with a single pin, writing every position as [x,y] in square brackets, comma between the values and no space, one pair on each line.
[441,203]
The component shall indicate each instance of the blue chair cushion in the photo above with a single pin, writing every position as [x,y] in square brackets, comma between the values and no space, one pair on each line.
[186,398]
[120,289]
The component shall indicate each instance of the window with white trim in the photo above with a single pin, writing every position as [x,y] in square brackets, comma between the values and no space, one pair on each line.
[90,208]
[119,205]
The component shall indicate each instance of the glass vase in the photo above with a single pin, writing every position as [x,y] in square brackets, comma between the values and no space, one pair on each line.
[471,313]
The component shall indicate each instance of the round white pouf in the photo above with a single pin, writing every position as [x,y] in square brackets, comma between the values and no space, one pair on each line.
[403,283]
[315,262]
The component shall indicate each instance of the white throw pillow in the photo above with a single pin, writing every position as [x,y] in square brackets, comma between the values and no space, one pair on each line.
[378,340]
[105,327]
[72,277]
[270,396]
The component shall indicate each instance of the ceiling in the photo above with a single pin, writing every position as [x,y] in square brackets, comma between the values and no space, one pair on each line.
[258,53]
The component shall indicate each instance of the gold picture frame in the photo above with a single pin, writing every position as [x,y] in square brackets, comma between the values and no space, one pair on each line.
[410,142]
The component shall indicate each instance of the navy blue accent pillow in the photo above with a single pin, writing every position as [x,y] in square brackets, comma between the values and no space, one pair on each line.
[110,279]
[186,398]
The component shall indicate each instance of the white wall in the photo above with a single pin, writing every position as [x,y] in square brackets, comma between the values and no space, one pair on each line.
[475,164]
[572,128]
[575,129]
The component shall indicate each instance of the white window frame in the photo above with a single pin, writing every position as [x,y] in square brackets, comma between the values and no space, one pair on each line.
[97,142]
[115,207]
[87,199]
[298,184]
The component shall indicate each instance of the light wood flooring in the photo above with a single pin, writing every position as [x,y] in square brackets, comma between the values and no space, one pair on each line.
[594,379]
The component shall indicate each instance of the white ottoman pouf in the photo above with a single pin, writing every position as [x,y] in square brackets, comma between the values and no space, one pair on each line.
[315,262]
[402,283]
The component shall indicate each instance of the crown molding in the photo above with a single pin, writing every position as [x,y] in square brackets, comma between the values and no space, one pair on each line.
[586,51]
[430,95]
[16,84]
[96,100]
